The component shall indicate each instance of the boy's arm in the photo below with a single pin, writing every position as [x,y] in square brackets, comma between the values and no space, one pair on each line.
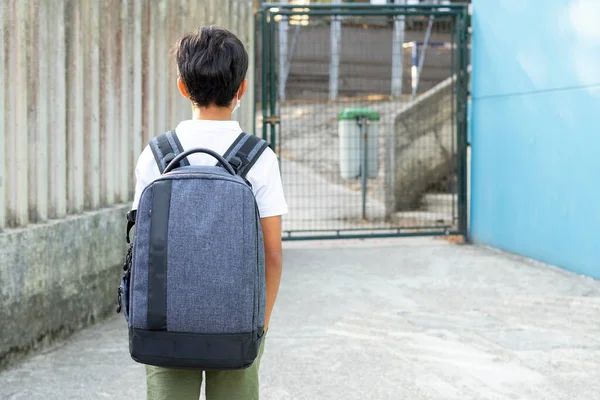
[271,228]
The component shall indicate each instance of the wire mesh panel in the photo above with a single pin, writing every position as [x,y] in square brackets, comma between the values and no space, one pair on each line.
[365,107]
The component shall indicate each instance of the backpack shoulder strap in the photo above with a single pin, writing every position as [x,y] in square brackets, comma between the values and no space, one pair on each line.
[244,152]
[165,148]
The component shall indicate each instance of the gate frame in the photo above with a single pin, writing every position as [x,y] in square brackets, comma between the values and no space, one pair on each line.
[265,16]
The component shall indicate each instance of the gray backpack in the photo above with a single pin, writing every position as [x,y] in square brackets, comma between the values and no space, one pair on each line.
[193,289]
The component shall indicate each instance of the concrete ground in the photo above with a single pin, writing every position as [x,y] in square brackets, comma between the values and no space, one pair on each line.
[387,319]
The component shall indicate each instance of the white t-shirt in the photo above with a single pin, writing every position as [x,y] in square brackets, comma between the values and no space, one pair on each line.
[218,136]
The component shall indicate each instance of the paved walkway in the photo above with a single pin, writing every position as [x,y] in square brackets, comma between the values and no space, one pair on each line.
[395,319]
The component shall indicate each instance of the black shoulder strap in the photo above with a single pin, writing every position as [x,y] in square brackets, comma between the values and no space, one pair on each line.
[165,148]
[244,152]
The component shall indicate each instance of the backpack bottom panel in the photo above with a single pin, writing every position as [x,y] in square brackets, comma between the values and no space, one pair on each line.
[194,350]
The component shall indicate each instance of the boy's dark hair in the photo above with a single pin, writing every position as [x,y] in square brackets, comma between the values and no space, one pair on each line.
[212,64]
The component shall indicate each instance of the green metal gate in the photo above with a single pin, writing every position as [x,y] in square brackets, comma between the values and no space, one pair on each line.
[366,107]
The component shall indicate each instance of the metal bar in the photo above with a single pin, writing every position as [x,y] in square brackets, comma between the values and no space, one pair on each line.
[364,133]
[436,228]
[255,50]
[265,73]
[288,65]
[370,236]
[398,53]
[369,13]
[272,81]
[334,65]
[414,69]
[423,53]
[283,54]
[3,116]
[461,124]
[453,104]
[459,7]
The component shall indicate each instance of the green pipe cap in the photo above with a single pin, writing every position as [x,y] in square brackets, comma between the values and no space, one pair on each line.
[358,112]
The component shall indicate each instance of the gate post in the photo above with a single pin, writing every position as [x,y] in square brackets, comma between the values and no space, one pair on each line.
[334,66]
[283,53]
[462,78]
[398,53]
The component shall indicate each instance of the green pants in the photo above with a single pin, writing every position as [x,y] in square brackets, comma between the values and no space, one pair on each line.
[175,384]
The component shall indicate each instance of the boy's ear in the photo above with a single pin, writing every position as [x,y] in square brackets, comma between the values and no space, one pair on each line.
[182,89]
[243,88]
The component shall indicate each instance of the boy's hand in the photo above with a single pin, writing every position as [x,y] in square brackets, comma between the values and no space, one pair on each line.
[271,228]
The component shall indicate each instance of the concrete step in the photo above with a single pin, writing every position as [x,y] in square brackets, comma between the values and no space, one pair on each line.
[439,201]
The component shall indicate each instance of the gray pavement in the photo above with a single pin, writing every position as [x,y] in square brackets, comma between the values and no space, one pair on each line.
[386,319]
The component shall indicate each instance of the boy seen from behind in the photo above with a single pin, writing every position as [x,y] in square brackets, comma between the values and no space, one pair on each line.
[212,65]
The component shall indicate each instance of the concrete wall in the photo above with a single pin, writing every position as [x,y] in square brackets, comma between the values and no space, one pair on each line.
[424,148]
[535,130]
[85,85]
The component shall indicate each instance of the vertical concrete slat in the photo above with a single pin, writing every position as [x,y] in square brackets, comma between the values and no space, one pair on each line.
[247,110]
[33,66]
[171,26]
[38,127]
[16,151]
[75,111]
[107,97]
[92,101]
[180,28]
[149,89]
[126,104]
[225,16]
[212,6]
[137,80]
[57,183]
[202,12]
[234,12]
[3,80]
[115,99]
[160,63]
[190,24]
[184,110]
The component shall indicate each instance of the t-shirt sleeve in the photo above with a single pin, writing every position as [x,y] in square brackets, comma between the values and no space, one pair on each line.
[269,195]
[145,172]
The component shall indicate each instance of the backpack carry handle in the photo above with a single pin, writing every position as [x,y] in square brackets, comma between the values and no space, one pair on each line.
[175,162]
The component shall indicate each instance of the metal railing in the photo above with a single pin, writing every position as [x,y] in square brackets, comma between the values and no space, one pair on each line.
[344,56]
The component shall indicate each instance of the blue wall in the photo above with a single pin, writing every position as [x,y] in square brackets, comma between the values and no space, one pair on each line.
[535,133]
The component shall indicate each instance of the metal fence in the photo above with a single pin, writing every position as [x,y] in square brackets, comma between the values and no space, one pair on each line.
[367,147]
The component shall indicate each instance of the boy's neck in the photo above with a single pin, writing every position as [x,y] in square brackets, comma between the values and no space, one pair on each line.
[212,113]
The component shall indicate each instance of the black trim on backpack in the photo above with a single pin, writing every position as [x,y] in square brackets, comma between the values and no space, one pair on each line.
[131,215]
[259,149]
[231,148]
[244,152]
[157,255]
[165,148]
[194,350]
